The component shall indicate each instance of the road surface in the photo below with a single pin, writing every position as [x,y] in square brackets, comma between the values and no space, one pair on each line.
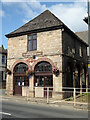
[17,109]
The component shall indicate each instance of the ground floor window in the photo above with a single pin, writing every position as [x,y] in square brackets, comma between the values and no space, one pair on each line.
[21,81]
[43,74]
[43,81]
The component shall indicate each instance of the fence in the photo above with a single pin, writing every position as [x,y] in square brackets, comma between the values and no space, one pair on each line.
[78,97]
[74,96]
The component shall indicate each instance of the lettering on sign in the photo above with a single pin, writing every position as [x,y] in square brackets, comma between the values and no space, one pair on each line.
[30,54]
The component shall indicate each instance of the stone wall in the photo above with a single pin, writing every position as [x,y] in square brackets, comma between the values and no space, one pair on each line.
[49,43]
[17,46]
[72,58]
[69,41]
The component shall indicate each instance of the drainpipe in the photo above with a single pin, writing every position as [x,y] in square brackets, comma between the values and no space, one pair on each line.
[89,40]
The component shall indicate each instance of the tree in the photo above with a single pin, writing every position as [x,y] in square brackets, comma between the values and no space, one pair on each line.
[2,47]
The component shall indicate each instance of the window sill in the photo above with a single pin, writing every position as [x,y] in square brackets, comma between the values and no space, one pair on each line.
[31,51]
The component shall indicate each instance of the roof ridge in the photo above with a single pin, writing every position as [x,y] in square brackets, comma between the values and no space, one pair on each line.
[59,21]
[31,20]
[81,31]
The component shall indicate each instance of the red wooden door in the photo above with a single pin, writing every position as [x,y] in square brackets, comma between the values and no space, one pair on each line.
[17,85]
[20,79]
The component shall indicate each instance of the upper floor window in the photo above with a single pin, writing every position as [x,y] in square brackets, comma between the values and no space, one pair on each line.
[3,59]
[80,51]
[32,42]
[3,76]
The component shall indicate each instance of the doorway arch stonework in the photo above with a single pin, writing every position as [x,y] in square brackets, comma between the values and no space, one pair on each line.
[43,59]
[20,61]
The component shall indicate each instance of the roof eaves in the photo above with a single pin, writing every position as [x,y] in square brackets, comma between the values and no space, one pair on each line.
[34,31]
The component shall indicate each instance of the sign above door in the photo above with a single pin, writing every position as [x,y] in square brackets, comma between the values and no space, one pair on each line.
[33,53]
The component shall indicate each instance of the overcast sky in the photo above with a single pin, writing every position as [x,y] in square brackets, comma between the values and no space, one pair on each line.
[15,14]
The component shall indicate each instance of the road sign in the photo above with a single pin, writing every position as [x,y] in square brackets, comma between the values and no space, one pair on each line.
[88,65]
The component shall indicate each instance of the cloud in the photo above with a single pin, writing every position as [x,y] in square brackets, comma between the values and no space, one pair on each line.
[1,13]
[71,14]
[25,21]
[31,9]
[12,1]
[43,0]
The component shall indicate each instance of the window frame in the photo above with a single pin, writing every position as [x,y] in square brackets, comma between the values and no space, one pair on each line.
[33,39]
[80,51]
[20,68]
[3,59]
[43,67]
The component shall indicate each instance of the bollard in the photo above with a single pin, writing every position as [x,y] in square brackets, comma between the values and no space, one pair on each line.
[47,95]
[74,96]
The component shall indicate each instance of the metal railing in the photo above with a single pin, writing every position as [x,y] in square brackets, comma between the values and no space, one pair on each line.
[75,96]
[69,94]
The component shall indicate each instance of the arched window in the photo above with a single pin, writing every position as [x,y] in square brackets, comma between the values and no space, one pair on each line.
[43,74]
[43,67]
[20,68]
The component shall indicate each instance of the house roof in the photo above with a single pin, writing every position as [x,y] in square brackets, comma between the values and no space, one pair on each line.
[2,50]
[42,21]
[83,35]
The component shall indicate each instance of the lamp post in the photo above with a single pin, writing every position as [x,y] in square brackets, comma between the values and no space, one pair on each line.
[89,39]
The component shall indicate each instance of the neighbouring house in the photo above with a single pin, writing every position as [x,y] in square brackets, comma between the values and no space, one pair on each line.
[3,66]
[83,35]
[45,53]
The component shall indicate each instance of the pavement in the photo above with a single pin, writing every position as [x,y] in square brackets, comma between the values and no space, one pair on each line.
[43,101]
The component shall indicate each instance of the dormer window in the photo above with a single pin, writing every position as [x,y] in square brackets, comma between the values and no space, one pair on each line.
[32,42]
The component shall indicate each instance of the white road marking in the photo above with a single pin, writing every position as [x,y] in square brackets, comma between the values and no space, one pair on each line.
[3,99]
[5,113]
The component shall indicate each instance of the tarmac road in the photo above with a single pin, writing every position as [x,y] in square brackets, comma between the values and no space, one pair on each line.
[17,109]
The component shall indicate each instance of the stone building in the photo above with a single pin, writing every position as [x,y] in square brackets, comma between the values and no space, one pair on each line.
[3,66]
[49,50]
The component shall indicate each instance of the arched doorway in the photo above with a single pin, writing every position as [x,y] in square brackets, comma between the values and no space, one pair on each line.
[19,78]
[43,76]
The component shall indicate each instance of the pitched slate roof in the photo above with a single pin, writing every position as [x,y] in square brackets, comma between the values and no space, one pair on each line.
[83,35]
[2,50]
[44,20]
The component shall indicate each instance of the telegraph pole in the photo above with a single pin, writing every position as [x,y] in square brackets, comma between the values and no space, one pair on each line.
[89,39]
